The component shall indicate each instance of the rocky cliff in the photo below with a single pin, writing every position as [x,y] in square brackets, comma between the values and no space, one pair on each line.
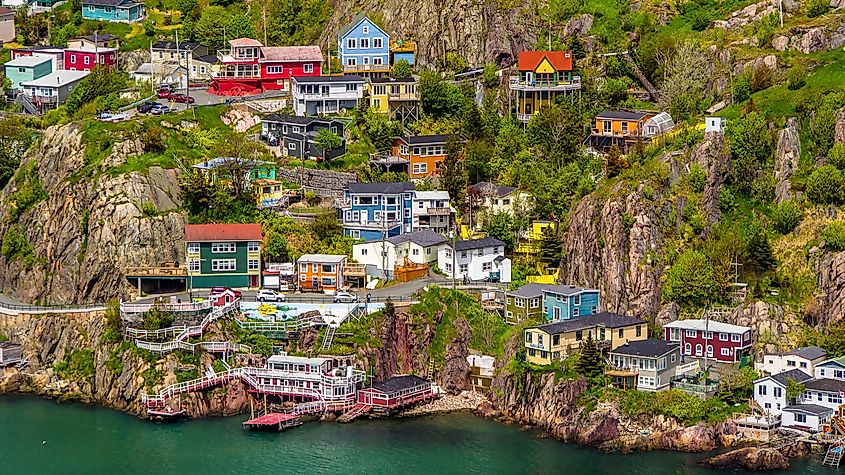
[787,154]
[84,233]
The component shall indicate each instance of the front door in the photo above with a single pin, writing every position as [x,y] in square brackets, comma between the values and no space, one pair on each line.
[253,281]
[557,313]
[314,283]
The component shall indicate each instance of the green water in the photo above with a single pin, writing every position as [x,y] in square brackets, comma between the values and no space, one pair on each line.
[92,440]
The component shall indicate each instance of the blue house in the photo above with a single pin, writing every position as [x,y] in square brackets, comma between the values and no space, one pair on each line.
[363,48]
[564,302]
[373,211]
[126,11]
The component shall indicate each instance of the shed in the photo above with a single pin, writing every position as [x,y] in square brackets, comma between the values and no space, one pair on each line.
[10,353]
[396,392]
[659,124]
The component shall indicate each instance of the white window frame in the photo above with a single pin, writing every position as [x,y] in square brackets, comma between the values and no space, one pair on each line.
[365,29]
[224,265]
[351,43]
[253,246]
[691,333]
[223,247]
[308,68]
[194,266]
[253,264]
[193,248]
[378,42]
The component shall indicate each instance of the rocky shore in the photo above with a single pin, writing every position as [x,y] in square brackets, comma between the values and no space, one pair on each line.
[465,401]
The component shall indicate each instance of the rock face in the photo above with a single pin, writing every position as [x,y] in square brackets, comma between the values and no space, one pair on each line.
[830,300]
[713,155]
[323,179]
[87,232]
[113,375]
[771,324]
[480,32]
[402,350]
[750,458]
[751,13]
[786,159]
[578,25]
[455,375]
[811,39]
[839,128]
[610,246]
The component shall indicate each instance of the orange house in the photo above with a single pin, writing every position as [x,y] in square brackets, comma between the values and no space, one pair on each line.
[424,154]
[320,272]
[625,128]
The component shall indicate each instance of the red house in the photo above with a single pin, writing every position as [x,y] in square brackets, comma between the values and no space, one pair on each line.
[396,392]
[85,58]
[251,68]
[719,341]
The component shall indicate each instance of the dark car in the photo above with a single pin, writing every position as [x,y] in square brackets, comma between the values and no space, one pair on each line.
[159,109]
[181,98]
[146,107]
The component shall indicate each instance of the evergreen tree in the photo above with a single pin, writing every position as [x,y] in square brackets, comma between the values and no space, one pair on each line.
[589,362]
[453,176]
[550,248]
[760,249]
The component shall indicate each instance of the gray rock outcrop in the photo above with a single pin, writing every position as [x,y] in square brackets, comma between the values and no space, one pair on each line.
[811,39]
[322,179]
[830,299]
[787,153]
[713,155]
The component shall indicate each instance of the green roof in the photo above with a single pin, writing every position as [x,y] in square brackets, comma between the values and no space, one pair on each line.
[354,22]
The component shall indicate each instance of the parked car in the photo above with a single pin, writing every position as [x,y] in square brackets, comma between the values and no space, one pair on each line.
[220,290]
[268,295]
[146,107]
[112,116]
[160,109]
[164,93]
[181,98]
[341,296]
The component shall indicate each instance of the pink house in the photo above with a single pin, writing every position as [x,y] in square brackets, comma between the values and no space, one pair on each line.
[718,341]
[85,58]
[250,67]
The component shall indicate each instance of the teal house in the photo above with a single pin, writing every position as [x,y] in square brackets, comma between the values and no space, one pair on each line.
[565,302]
[125,11]
[223,255]
[27,68]
[222,168]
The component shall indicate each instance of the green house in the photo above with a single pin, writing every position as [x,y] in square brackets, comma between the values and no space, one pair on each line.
[223,255]
[223,168]
[525,303]
[27,68]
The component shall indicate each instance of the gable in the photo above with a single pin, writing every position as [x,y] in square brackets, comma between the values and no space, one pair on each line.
[831,364]
[356,27]
[545,67]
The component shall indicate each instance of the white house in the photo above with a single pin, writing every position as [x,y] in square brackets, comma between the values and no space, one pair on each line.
[770,392]
[382,257]
[431,210]
[805,359]
[477,260]
[489,199]
[824,392]
[318,95]
[158,73]
[806,417]
[831,369]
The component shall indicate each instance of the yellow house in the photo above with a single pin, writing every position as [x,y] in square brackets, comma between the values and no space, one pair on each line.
[552,342]
[530,244]
[397,97]
[271,193]
[540,77]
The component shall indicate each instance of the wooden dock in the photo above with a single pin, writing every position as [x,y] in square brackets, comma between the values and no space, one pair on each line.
[273,421]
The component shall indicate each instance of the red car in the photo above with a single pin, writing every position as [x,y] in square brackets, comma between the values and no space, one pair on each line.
[164,94]
[181,98]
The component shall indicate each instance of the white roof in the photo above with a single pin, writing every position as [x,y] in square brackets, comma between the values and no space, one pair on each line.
[432,195]
[57,79]
[157,68]
[663,121]
[704,326]
[321,258]
[91,49]
[28,61]
[296,360]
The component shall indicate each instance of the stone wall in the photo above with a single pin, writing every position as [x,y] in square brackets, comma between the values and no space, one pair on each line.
[320,179]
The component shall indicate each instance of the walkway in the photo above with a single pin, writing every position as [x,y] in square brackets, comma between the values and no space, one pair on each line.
[181,334]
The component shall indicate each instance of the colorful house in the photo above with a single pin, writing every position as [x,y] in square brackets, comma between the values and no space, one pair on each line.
[249,67]
[540,77]
[805,359]
[720,342]
[770,391]
[222,168]
[524,304]
[833,368]
[383,256]
[624,129]
[397,97]
[296,135]
[425,153]
[57,55]
[645,365]
[126,11]
[431,210]
[326,95]
[195,57]
[85,58]
[372,211]
[227,255]
[546,344]
[403,50]
[272,193]
[97,40]
[363,48]
[27,68]
[320,272]
[565,302]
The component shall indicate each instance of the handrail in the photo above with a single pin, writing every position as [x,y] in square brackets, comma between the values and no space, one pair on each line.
[128,308]
[43,309]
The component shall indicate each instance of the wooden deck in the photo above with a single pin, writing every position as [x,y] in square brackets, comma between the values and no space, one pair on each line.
[152,271]
[274,421]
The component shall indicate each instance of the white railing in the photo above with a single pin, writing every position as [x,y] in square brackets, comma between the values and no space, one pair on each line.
[155,334]
[179,343]
[134,308]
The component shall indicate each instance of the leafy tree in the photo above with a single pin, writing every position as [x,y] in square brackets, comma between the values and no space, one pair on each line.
[401,69]
[836,155]
[114,327]
[691,281]
[762,78]
[325,226]
[15,139]
[833,236]
[101,87]
[453,175]
[296,21]
[615,163]
[326,140]
[276,247]
[736,385]
[742,88]
[439,98]
[502,227]
[589,363]
[685,76]
[751,149]
[796,77]
[489,77]
[156,319]
[239,26]
[794,390]
[816,8]
[471,121]
[786,216]
[824,185]
[378,128]
[555,131]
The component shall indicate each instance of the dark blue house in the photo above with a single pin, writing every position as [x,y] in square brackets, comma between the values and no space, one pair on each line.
[372,211]
[564,302]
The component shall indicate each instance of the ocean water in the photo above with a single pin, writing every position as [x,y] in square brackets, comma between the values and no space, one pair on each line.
[43,437]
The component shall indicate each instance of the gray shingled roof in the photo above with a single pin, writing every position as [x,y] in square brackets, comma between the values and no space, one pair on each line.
[398,383]
[604,319]
[395,187]
[501,190]
[529,290]
[809,409]
[566,289]
[423,237]
[808,352]
[796,374]
[649,348]
[828,385]
[323,79]
[626,115]
[477,243]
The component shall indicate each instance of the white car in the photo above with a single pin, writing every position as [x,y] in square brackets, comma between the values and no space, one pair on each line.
[344,297]
[267,295]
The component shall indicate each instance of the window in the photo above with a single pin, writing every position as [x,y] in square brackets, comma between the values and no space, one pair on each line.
[487,267]
[734,337]
[378,61]
[778,391]
[303,268]
[308,68]
[378,43]
[363,252]
[327,268]
[624,126]
[202,69]
[726,352]
[415,252]
[275,69]
[540,340]
[578,335]
[351,87]
[109,9]
[761,390]
[531,352]
[351,43]
[253,246]
[252,264]
[709,351]
[674,334]
[639,330]
[698,349]
[464,268]
[790,363]
[194,265]
[800,417]
[723,337]
[463,254]
[315,267]
[803,364]
[480,252]
[606,126]
[221,247]
[621,332]
[365,43]
[687,349]
[193,248]
[87,60]
[92,8]
[292,146]
[708,335]
[673,358]
[691,333]
[73,57]
[576,312]
[555,340]
[535,303]
[577,300]
[350,61]
[601,334]
[528,337]
[223,265]
[420,168]
[328,281]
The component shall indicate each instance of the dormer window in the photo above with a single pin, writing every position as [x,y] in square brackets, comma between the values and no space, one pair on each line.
[365,30]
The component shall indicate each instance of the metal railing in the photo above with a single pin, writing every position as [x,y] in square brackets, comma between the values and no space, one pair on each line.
[14,309]
[366,67]
[551,84]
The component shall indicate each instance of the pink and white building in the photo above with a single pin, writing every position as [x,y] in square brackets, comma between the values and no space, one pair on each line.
[249,67]
[721,342]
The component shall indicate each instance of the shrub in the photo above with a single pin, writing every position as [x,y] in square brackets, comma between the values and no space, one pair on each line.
[696,178]
[691,280]
[15,244]
[79,365]
[824,185]
[742,88]
[815,8]
[149,209]
[763,78]
[156,319]
[727,200]
[836,156]
[152,139]
[796,77]
[834,236]
[786,216]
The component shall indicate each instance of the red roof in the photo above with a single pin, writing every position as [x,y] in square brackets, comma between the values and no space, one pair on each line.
[245,42]
[529,60]
[222,232]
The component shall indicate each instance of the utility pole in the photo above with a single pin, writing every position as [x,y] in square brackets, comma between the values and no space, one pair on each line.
[264,19]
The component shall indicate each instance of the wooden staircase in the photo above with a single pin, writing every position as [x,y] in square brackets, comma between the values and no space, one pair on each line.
[327,340]
[833,456]
[358,410]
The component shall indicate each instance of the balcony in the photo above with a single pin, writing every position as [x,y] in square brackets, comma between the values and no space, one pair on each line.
[369,68]
[633,135]
[386,158]
[439,211]
[327,96]
[161,271]
[376,225]
[517,84]
[355,270]
[403,96]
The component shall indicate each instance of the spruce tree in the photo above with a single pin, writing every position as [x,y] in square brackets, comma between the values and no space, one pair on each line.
[589,362]
[550,248]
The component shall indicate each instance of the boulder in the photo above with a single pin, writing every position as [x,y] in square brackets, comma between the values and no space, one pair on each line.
[713,155]
[839,127]
[750,458]
[578,25]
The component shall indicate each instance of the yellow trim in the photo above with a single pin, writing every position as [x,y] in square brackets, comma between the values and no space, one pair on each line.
[545,67]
